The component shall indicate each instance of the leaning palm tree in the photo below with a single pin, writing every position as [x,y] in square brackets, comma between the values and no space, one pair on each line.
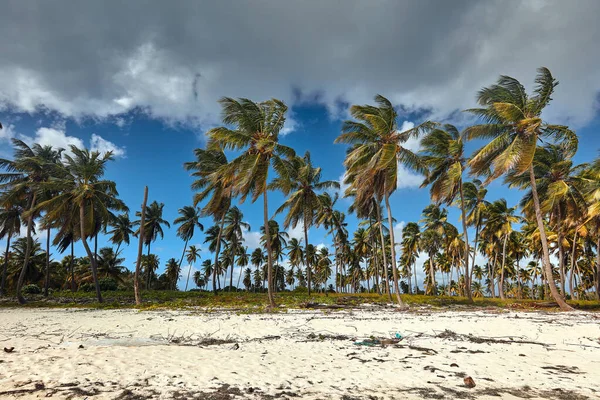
[233,231]
[443,154]
[255,131]
[378,149]
[214,184]
[120,230]
[188,221]
[30,168]
[82,185]
[193,254]
[10,225]
[513,124]
[301,186]
[153,223]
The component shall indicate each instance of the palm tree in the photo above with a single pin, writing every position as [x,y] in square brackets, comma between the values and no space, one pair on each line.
[10,225]
[443,153]
[255,132]
[215,183]
[110,264]
[152,227]
[172,271]
[373,161]
[242,261]
[188,221]
[513,123]
[435,223]
[411,237]
[193,254]
[301,186]
[500,220]
[199,277]
[295,254]
[475,204]
[257,258]
[233,230]
[277,243]
[31,167]
[120,230]
[82,186]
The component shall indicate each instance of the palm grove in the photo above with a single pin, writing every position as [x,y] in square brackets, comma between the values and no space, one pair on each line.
[547,246]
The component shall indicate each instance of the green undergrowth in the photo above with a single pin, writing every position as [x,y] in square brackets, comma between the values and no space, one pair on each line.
[243,302]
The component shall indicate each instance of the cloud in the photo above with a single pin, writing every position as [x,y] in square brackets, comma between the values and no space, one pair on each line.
[297,231]
[166,61]
[7,133]
[97,143]
[252,239]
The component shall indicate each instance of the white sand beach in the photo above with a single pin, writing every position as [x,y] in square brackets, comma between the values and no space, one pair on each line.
[129,354]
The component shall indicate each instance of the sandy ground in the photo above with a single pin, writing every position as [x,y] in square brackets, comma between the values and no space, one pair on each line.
[128,354]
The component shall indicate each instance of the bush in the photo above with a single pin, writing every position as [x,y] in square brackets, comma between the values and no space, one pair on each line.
[300,289]
[87,287]
[31,289]
[108,284]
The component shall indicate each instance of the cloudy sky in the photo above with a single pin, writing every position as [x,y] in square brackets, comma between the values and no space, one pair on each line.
[143,78]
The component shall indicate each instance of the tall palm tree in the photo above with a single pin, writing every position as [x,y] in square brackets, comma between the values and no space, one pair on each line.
[295,254]
[120,230]
[257,259]
[193,254]
[302,204]
[10,225]
[188,221]
[513,124]
[233,231]
[475,204]
[411,237]
[152,227]
[255,131]
[373,161]
[173,271]
[82,185]
[435,224]
[443,154]
[242,261]
[30,168]
[214,181]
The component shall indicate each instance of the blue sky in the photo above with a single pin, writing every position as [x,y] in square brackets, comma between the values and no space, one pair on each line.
[144,80]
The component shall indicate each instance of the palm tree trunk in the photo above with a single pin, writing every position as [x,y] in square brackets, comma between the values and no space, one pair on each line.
[188,277]
[432,276]
[232,265]
[474,251]
[181,260]
[5,267]
[393,251]
[415,273]
[89,252]
[138,263]
[240,278]
[546,253]
[492,275]
[217,250]
[501,287]
[27,250]
[47,277]
[466,235]
[72,266]
[598,268]
[269,251]
[308,274]
[148,268]
[561,253]
[385,268]
[573,259]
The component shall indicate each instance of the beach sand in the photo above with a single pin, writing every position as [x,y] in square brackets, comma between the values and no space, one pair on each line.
[130,354]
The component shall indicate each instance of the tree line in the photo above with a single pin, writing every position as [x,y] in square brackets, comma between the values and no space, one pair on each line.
[559,212]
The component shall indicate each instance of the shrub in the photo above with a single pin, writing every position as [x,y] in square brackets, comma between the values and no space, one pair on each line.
[31,289]
[87,287]
[108,284]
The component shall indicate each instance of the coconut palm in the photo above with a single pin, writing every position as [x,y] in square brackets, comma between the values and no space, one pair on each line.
[475,205]
[411,237]
[10,225]
[443,154]
[233,231]
[215,184]
[153,227]
[435,224]
[172,270]
[243,259]
[255,131]
[193,254]
[188,221]
[82,186]
[30,168]
[120,230]
[302,204]
[513,124]
[378,148]
[257,259]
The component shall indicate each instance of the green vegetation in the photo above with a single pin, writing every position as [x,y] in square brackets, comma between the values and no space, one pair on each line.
[64,193]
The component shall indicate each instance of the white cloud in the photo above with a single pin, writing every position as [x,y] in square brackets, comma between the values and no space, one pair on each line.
[53,137]
[297,231]
[7,133]
[164,61]
[251,239]
[97,143]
